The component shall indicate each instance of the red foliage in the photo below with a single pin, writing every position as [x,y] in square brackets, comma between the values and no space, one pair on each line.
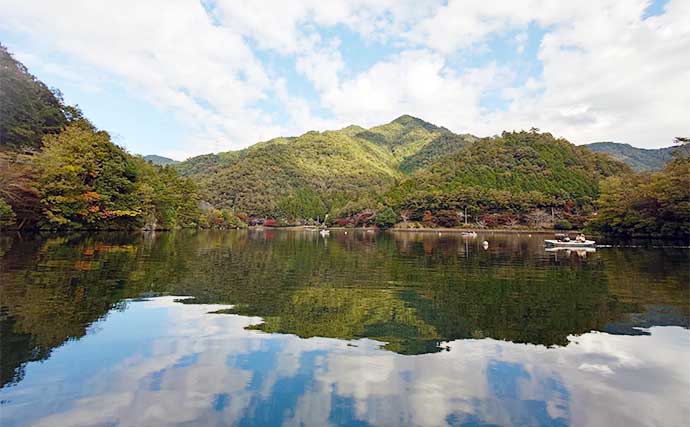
[499,219]
[343,222]
[364,218]
[270,223]
[569,206]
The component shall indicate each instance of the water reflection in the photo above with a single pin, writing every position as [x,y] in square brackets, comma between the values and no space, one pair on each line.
[183,366]
[488,318]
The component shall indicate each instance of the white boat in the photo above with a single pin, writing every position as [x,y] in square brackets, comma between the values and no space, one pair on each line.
[569,244]
[468,234]
[569,250]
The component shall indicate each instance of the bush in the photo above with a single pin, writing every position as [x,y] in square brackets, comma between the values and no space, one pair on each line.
[563,224]
[386,218]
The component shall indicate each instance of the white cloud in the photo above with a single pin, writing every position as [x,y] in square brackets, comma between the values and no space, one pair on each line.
[608,74]
[414,82]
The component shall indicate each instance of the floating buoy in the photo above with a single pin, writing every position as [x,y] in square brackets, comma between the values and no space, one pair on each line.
[346,233]
[485,244]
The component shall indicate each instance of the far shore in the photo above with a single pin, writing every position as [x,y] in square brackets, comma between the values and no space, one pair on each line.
[432,230]
[483,230]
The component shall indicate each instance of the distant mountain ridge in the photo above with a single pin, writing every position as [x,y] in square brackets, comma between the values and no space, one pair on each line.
[159,160]
[639,159]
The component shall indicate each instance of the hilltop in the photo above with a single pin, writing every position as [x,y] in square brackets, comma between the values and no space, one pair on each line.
[159,160]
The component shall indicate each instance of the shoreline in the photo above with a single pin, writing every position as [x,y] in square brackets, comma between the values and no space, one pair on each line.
[426,229]
[481,230]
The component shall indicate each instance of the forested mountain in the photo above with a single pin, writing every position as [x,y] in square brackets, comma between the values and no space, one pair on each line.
[159,160]
[639,159]
[407,162]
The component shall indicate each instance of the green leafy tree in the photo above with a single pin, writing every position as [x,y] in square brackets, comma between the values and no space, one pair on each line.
[85,180]
[386,218]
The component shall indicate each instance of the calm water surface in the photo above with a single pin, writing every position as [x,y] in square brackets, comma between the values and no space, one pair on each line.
[285,328]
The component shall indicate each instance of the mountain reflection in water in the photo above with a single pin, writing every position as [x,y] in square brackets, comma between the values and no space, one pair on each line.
[289,328]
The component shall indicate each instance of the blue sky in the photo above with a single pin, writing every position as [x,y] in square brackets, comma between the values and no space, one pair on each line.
[186,77]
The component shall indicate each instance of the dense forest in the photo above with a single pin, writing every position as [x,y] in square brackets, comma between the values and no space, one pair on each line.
[58,171]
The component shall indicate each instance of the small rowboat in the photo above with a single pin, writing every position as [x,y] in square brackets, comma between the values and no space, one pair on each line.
[569,244]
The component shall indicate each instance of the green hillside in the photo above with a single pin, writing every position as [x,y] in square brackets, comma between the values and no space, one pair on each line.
[28,108]
[266,179]
[517,178]
[436,149]
[404,136]
[520,162]
[639,159]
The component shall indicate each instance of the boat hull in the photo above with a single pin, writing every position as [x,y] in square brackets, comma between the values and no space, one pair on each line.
[560,244]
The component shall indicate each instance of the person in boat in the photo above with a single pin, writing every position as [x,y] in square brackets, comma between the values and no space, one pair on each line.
[580,238]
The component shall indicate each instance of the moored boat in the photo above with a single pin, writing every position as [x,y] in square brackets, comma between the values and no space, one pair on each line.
[569,244]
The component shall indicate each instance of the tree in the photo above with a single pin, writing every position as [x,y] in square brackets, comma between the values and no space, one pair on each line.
[539,218]
[85,180]
[386,217]
[18,188]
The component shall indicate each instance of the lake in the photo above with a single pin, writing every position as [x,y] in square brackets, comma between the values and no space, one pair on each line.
[289,328]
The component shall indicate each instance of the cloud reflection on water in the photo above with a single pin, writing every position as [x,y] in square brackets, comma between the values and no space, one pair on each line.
[184,366]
